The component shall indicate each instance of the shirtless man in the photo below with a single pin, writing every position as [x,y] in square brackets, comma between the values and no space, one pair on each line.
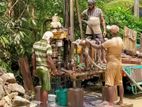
[113,75]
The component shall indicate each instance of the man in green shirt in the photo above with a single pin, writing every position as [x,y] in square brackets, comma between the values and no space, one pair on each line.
[42,64]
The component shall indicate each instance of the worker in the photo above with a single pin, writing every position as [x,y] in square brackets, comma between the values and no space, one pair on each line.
[113,75]
[42,64]
[95,19]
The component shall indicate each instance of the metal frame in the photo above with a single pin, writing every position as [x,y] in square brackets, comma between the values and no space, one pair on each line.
[135,86]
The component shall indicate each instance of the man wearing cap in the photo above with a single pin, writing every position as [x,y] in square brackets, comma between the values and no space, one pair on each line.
[42,64]
[95,20]
[113,74]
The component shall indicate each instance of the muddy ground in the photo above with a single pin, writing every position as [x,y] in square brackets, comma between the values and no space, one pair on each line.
[129,98]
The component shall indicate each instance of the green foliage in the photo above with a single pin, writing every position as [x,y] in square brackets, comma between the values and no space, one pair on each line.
[49,7]
[45,9]
[2,7]
[17,34]
[140,5]
[122,17]
[5,66]
[120,3]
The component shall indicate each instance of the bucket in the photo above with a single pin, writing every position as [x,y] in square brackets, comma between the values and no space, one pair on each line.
[75,97]
[59,43]
[52,100]
[106,96]
[61,99]
[37,93]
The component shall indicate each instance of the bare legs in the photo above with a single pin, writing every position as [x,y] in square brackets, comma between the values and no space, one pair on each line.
[103,55]
[43,98]
[111,94]
[121,93]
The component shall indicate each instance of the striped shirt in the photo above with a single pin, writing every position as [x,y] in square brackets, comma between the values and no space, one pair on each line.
[42,49]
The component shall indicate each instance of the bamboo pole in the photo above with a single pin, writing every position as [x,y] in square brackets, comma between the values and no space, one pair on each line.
[79,18]
[136,8]
[66,12]
[71,37]
[71,20]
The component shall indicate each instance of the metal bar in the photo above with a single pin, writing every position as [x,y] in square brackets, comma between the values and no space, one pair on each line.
[139,87]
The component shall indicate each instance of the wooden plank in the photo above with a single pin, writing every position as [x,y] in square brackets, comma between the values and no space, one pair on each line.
[130,39]
[74,75]
[141,42]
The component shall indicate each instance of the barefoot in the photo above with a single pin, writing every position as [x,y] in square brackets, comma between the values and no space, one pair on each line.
[120,103]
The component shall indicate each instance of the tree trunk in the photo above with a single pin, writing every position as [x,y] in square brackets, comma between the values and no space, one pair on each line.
[79,19]
[66,10]
[26,74]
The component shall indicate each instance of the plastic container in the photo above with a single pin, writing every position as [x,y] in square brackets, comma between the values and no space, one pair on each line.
[52,100]
[37,93]
[106,96]
[75,97]
[59,43]
[61,99]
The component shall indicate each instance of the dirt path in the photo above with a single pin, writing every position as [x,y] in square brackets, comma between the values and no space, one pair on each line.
[136,100]
[94,98]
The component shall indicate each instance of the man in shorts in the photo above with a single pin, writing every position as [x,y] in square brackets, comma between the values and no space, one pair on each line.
[113,75]
[43,65]
[95,19]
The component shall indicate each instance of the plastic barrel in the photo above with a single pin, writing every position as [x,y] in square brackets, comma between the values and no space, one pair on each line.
[61,97]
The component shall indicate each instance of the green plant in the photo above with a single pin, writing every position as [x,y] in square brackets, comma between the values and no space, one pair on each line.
[18,32]
[122,17]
